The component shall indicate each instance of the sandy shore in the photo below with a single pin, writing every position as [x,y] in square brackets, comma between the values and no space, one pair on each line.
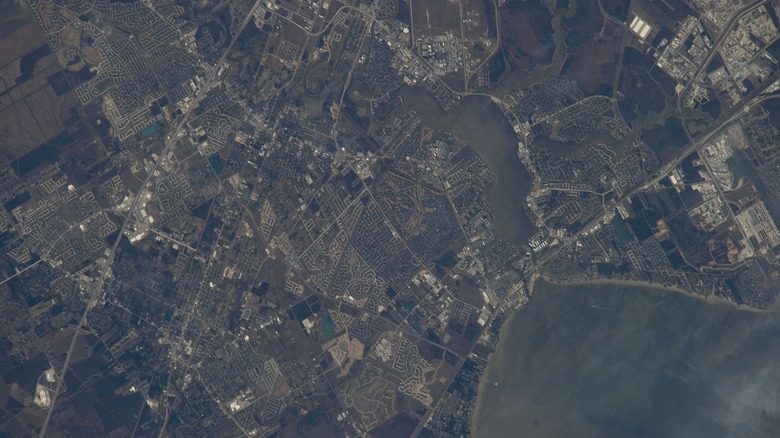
[484,380]
[481,387]
[709,299]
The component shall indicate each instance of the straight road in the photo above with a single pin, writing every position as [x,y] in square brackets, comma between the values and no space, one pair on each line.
[752,99]
[149,179]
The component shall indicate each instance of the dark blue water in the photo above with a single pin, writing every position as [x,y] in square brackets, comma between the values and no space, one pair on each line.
[643,363]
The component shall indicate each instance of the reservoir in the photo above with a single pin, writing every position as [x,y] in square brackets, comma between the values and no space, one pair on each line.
[615,360]
[481,123]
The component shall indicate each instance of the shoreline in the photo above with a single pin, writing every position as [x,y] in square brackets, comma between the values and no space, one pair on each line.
[483,379]
[710,299]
